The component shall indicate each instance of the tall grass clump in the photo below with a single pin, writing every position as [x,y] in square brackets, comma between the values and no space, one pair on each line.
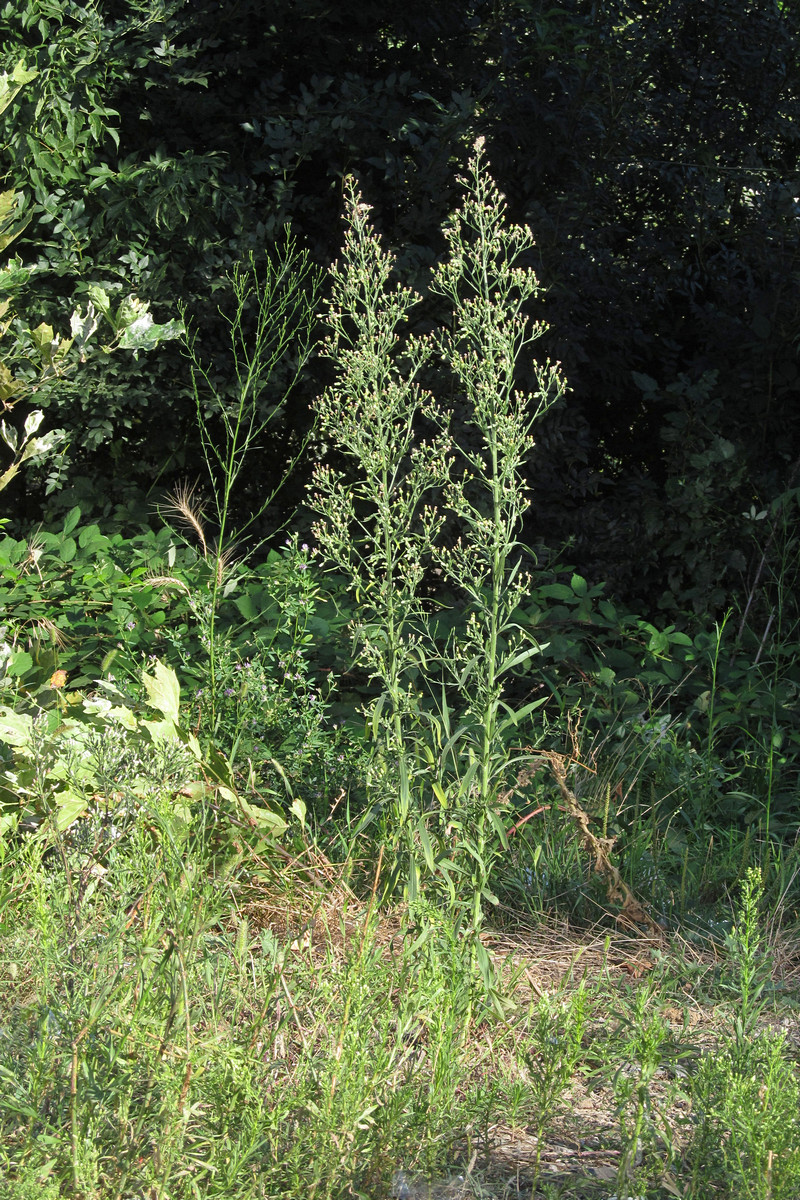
[440,766]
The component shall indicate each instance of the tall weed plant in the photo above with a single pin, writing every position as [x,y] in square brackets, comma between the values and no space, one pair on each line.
[440,773]
[746,1096]
[269,333]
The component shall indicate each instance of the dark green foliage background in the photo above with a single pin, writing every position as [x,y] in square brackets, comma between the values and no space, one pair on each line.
[652,148]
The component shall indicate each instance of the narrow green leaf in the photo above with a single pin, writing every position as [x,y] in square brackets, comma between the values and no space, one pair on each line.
[444,711]
[498,825]
[405,789]
[467,779]
[439,793]
[508,664]
[484,965]
[376,715]
[425,842]
[520,714]
[467,671]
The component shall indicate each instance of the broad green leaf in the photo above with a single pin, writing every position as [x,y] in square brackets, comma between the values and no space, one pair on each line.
[67,550]
[163,691]
[659,643]
[69,806]
[100,298]
[11,84]
[92,540]
[195,790]
[8,204]
[555,591]
[264,818]
[22,74]
[13,277]
[143,334]
[13,220]
[15,728]
[32,423]
[122,715]
[43,338]
[83,326]
[645,383]
[39,446]
[161,731]
[19,663]
[9,386]
[16,229]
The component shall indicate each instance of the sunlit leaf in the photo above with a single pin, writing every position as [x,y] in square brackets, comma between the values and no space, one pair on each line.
[163,691]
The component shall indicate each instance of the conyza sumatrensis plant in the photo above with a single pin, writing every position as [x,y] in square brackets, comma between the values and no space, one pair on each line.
[441,769]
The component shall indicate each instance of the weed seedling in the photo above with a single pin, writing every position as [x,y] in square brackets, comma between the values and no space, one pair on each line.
[556,1034]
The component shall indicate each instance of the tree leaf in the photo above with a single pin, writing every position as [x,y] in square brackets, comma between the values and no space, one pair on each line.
[72,519]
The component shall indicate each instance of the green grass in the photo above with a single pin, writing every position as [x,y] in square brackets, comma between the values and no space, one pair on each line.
[170,1030]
